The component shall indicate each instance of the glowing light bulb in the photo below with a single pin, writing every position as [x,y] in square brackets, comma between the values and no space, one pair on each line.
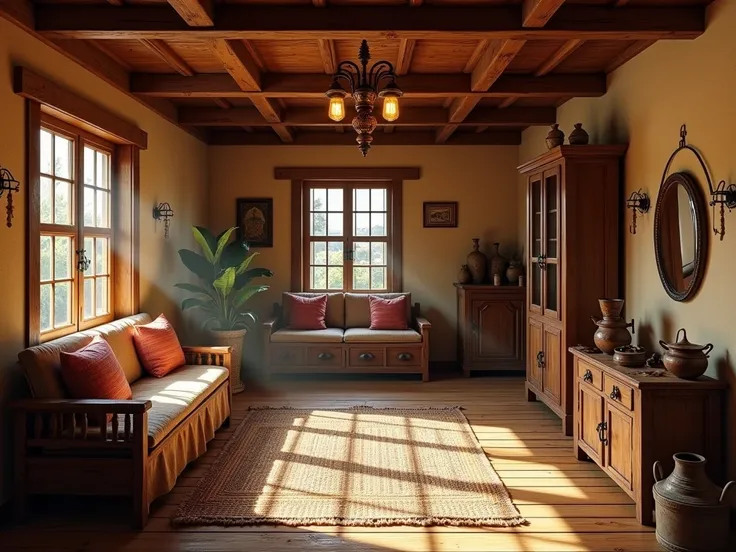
[337,108]
[391,108]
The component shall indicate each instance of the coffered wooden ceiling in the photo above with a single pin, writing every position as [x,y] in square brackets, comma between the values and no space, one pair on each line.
[255,71]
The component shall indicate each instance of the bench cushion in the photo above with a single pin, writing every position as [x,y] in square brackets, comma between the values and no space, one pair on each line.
[358,310]
[175,396]
[364,335]
[330,335]
[335,315]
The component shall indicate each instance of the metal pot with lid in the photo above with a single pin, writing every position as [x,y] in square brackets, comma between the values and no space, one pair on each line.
[684,359]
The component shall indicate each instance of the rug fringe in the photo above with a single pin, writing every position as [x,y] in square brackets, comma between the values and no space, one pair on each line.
[346,522]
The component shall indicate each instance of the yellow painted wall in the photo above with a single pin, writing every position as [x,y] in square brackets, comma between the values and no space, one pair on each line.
[482,179]
[173,169]
[648,99]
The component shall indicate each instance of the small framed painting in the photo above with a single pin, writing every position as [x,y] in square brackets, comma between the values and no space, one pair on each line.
[440,214]
[254,219]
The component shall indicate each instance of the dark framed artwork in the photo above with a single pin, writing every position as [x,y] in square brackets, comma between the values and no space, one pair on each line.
[254,219]
[440,214]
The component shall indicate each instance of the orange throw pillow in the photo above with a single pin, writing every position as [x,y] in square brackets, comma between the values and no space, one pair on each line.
[93,372]
[388,314]
[307,313]
[158,347]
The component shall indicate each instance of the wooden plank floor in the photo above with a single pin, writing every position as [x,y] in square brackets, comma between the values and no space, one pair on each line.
[572,506]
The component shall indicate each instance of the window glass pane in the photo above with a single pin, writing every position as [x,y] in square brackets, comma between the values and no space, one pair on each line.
[89,252]
[89,206]
[378,253]
[62,257]
[361,225]
[47,258]
[335,254]
[102,204]
[46,307]
[334,277]
[89,298]
[62,304]
[101,297]
[101,256]
[378,224]
[361,200]
[47,154]
[362,253]
[103,178]
[334,224]
[361,277]
[62,202]
[319,277]
[319,224]
[334,199]
[319,199]
[319,253]
[47,201]
[378,277]
[89,166]
[62,157]
[378,199]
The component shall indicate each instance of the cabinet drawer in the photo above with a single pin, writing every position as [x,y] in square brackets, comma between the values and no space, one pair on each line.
[366,356]
[590,374]
[619,393]
[324,356]
[403,356]
[282,355]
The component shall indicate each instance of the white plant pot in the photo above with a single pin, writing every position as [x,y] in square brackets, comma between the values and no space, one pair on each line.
[234,339]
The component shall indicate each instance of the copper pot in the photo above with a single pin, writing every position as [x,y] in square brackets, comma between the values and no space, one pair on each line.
[684,359]
[612,329]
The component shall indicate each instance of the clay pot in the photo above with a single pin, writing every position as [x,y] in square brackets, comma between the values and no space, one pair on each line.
[234,339]
[684,359]
[578,137]
[477,263]
[692,513]
[612,328]
[555,137]
[464,276]
[498,264]
[630,356]
[514,271]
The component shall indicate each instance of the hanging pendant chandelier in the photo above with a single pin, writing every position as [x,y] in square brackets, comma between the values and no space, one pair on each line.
[364,86]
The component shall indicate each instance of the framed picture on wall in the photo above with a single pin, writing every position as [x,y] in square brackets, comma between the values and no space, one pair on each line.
[440,214]
[254,219]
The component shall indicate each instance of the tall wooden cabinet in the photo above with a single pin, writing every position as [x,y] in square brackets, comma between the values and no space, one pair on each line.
[572,260]
[491,322]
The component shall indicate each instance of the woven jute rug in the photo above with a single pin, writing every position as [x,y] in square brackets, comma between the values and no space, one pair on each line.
[360,466]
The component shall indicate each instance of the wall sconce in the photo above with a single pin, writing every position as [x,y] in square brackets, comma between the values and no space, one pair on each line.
[638,202]
[9,184]
[165,212]
[725,196]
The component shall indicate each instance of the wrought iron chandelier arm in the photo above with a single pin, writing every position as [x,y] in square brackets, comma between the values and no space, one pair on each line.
[344,72]
[379,71]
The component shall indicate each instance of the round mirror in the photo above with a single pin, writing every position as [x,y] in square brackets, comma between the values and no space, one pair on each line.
[680,239]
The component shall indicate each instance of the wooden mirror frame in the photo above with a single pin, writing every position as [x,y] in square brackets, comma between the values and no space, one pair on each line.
[701,235]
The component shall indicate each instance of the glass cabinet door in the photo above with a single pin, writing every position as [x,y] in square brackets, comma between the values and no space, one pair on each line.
[551,254]
[535,247]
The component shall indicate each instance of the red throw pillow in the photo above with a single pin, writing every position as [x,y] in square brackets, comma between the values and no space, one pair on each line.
[93,372]
[307,313]
[158,347]
[388,314]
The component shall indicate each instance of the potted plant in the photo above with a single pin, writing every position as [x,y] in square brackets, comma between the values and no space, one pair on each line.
[225,276]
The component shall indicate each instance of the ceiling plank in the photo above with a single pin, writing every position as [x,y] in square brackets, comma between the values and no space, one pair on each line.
[536,13]
[308,85]
[632,51]
[223,104]
[238,61]
[197,13]
[238,21]
[507,102]
[102,46]
[406,51]
[168,55]
[285,133]
[559,56]
[475,56]
[327,51]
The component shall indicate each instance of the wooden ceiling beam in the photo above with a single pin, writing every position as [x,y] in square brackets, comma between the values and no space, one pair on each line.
[169,56]
[238,61]
[536,13]
[238,21]
[308,85]
[562,53]
[221,103]
[507,102]
[196,13]
[327,52]
[632,51]
[270,112]
[406,51]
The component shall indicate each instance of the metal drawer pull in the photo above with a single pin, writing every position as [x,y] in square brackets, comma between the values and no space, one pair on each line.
[588,376]
[540,359]
[324,356]
[615,393]
[601,428]
[404,356]
[366,356]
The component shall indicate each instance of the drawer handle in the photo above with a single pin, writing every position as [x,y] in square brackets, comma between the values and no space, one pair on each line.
[601,429]
[366,356]
[404,356]
[615,393]
[540,359]
[324,356]
[588,376]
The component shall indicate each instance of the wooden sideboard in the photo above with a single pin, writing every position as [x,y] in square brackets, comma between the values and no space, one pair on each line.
[490,324]
[627,418]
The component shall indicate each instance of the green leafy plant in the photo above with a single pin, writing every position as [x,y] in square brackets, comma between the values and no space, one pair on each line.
[224,271]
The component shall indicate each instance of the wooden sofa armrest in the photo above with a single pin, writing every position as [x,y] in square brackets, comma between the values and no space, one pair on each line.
[70,406]
[208,356]
[270,324]
[423,324]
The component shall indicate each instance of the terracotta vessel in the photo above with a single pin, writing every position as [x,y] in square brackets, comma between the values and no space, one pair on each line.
[612,329]
[578,137]
[464,276]
[498,264]
[630,356]
[555,137]
[514,272]
[234,339]
[684,359]
[692,513]
[477,263]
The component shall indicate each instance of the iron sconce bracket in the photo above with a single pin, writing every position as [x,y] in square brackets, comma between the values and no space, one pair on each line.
[638,202]
[163,211]
[10,185]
